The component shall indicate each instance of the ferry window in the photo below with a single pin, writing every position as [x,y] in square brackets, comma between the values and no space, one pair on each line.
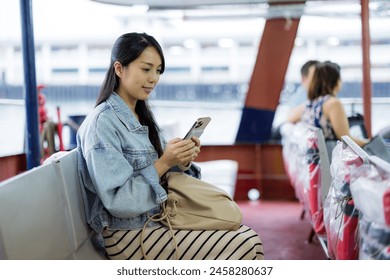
[97,70]
[65,70]
[96,47]
[60,48]
[177,70]
[215,68]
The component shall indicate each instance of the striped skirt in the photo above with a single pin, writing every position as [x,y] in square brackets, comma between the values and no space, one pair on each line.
[243,244]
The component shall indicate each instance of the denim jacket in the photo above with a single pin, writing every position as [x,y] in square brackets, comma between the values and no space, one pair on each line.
[120,184]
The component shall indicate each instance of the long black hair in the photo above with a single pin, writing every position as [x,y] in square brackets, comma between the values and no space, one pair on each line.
[126,49]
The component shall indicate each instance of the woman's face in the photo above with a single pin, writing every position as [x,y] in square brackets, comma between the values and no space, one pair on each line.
[138,79]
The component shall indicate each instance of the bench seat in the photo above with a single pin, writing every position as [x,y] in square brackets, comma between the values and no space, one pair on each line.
[42,214]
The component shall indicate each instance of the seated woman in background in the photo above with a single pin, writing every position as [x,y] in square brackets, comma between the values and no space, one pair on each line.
[323,109]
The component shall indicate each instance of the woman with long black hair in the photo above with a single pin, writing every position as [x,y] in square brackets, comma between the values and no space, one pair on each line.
[123,159]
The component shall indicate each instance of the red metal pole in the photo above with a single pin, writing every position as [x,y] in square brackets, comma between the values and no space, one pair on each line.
[366,86]
[276,45]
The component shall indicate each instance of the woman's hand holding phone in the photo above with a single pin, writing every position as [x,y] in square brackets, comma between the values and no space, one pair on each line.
[182,151]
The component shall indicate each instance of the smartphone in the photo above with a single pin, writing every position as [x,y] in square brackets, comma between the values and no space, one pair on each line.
[197,128]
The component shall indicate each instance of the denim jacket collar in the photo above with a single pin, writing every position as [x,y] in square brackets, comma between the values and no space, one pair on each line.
[123,111]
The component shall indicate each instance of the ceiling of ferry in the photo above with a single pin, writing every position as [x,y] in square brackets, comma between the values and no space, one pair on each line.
[259,8]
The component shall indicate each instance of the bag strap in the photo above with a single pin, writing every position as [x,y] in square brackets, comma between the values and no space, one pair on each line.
[164,215]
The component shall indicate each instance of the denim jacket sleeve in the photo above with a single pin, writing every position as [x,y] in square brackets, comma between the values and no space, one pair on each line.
[193,170]
[123,193]
[120,167]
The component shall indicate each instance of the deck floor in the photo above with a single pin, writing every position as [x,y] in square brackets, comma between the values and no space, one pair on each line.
[284,235]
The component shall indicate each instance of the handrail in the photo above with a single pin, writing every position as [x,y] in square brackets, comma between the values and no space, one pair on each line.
[326,178]
[378,162]
[355,147]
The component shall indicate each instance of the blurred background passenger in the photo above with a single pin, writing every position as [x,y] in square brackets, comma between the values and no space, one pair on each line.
[323,109]
[297,98]
[300,95]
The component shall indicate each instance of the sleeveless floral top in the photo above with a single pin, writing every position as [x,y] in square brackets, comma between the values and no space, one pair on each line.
[313,115]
